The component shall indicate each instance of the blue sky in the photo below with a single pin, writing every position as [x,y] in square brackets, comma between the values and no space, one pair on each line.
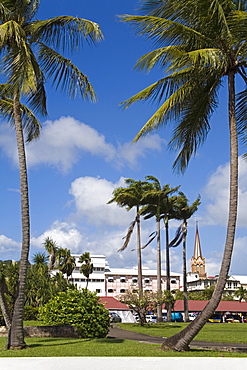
[85,152]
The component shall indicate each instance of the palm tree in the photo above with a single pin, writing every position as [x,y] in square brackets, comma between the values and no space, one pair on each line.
[132,197]
[184,212]
[202,45]
[66,262]
[155,203]
[87,266]
[52,248]
[241,293]
[28,60]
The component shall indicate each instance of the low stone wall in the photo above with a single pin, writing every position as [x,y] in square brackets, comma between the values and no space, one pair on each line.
[62,331]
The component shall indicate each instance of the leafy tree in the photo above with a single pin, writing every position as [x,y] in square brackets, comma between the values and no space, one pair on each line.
[52,248]
[79,308]
[202,46]
[87,266]
[28,60]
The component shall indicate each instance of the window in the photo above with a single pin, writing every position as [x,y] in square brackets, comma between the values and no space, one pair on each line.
[235,284]
[173,281]
[134,280]
[229,284]
[98,290]
[146,280]
[110,279]
[122,279]
[110,290]
[122,290]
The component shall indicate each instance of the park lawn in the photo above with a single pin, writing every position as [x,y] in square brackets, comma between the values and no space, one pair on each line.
[224,332]
[71,347]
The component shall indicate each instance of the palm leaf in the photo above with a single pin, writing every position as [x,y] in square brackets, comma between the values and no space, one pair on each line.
[128,235]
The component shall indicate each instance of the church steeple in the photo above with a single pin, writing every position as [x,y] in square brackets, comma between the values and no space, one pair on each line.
[197,261]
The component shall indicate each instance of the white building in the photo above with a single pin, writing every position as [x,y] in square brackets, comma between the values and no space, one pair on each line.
[112,282]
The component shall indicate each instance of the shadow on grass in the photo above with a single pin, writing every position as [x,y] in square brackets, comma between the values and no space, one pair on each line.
[52,340]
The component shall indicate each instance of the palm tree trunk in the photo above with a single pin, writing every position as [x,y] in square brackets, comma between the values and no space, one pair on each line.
[3,304]
[16,335]
[159,290]
[168,277]
[186,310]
[181,341]
[139,255]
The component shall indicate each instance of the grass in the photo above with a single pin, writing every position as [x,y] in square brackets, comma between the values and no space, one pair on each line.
[71,347]
[225,332]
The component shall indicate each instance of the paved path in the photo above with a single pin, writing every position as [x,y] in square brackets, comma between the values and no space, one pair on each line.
[117,333]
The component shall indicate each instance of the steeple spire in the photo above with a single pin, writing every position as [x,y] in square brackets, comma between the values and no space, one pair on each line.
[197,261]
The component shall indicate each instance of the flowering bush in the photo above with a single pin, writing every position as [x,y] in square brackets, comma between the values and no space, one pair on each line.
[79,308]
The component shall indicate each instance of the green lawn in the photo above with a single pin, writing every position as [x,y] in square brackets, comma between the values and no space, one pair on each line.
[71,347]
[225,332]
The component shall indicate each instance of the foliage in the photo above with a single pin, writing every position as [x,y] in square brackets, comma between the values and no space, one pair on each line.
[86,265]
[30,312]
[79,308]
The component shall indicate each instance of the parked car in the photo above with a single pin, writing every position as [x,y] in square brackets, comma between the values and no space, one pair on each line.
[176,317]
[114,317]
[215,318]
[233,318]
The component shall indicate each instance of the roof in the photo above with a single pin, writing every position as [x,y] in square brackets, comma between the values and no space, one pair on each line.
[224,306]
[112,303]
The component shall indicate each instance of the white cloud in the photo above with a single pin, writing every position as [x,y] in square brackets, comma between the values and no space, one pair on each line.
[91,196]
[9,248]
[62,142]
[217,192]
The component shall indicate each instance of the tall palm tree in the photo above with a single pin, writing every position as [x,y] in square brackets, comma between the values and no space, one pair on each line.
[29,57]
[130,197]
[66,262]
[86,266]
[202,45]
[155,203]
[184,212]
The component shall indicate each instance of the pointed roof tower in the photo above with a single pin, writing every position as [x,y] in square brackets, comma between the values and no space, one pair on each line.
[197,261]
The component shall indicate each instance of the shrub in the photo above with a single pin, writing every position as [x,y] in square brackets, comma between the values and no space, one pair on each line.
[79,308]
[30,312]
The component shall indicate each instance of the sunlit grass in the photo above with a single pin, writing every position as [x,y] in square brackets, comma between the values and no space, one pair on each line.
[70,347]
[225,332]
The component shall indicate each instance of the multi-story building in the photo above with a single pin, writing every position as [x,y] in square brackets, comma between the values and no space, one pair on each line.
[112,282]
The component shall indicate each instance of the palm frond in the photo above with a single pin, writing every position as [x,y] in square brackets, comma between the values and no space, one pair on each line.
[65,74]
[128,236]
[152,237]
[65,32]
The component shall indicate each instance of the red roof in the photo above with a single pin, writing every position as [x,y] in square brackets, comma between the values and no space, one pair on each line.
[112,303]
[224,306]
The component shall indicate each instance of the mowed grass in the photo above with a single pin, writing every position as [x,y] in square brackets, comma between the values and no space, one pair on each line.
[224,332]
[71,347]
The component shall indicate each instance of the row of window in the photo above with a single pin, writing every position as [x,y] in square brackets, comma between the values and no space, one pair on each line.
[90,280]
[123,290]
[94,269]
[134,280]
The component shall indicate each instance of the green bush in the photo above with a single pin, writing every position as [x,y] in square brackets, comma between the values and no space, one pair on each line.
[31,313]
[79,308]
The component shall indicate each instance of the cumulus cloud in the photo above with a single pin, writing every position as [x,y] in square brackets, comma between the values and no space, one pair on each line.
[217,192]
[62,143]
[91,196]
[9,248]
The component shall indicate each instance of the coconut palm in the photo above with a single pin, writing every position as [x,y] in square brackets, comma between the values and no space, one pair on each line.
[156,202]
[29,57]
[241,293]
[130,197]
[183,212]
[86,267]
[202,46]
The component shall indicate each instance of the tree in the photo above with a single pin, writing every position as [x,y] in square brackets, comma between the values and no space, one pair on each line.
[87,266]
[241,293]
[203,45]
[52,248]
[28,60]
[132,197]
[156,203]
[183,212]
[66,262]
